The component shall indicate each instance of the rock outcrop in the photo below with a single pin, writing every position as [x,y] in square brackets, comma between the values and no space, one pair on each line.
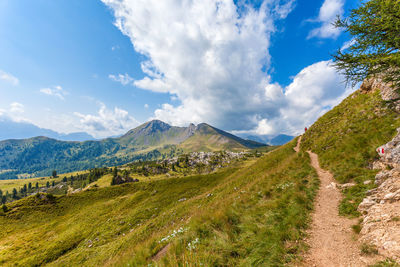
[381,207]
[386,89]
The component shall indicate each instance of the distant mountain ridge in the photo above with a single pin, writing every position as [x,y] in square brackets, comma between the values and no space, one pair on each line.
[149,141]
[273,140]
[22,130]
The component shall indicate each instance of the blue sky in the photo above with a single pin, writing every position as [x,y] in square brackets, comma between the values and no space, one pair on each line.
[257,67]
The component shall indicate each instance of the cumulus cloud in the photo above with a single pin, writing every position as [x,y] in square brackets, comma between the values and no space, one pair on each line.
[124,79]
[56,91]
[213,56]
[14,112]
[9,78]
[107,122]
[16,107]
[328,12]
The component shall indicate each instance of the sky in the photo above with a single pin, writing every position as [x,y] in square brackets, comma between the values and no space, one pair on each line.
[104,67]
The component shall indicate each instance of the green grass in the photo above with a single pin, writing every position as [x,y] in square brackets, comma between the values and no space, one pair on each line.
[346,139]
[8,185]
[253,215]
[367,249]
[386,263]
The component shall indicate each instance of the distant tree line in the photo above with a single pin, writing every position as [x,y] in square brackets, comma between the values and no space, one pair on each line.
[74,181]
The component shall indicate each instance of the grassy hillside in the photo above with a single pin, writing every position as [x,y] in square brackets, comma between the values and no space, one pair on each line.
[153,140]
[8,185]
[242,215]
[346,139]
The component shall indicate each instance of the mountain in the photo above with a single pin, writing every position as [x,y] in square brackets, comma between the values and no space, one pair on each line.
[273,140]
[149,141]
[21,130]
[221,218]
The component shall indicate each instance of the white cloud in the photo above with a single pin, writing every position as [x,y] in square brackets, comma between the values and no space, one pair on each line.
[146,105]
[14,112]
[56,91]
[8,78]
[124,79]
[348,44]
[328,12]
[210,55]
[107,122]
[16,107]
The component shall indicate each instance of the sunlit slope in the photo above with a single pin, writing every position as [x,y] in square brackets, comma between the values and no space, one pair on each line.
[346,139]
[246,214]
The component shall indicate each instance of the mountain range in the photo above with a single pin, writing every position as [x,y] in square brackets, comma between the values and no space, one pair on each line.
[22,130]
[273,140]
[152,140]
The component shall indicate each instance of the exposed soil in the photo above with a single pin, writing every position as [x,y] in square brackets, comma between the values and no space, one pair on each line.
[331,237]
[297,147]
[161,253]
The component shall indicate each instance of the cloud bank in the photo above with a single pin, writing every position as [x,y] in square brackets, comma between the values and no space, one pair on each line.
[213,56]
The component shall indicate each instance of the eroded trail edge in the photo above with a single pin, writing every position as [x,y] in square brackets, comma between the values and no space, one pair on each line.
[330,237]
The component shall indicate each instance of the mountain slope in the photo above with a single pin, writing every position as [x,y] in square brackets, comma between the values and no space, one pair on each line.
[152,140]
[209,219]
[251,214]
[357,127]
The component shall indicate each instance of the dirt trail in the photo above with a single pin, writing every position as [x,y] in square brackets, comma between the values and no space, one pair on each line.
[297,147]
[331,237]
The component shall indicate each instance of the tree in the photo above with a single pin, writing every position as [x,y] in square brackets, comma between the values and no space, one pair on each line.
[375,48]
[54,174]
[4,208]
[1,193]
[14,193]
[53,183]
[37,185]
[3,200]
[48,184]
[30,186]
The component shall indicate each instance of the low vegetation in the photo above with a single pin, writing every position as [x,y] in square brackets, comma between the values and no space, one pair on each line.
[357,126]
[252,212]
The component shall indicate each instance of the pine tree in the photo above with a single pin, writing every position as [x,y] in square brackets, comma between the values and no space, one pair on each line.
[53,183]
[30,186]
[48,184]
[54,174]
[375,47]
[37,185]
[14,193]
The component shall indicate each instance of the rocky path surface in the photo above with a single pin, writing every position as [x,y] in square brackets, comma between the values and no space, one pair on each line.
[331,238]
